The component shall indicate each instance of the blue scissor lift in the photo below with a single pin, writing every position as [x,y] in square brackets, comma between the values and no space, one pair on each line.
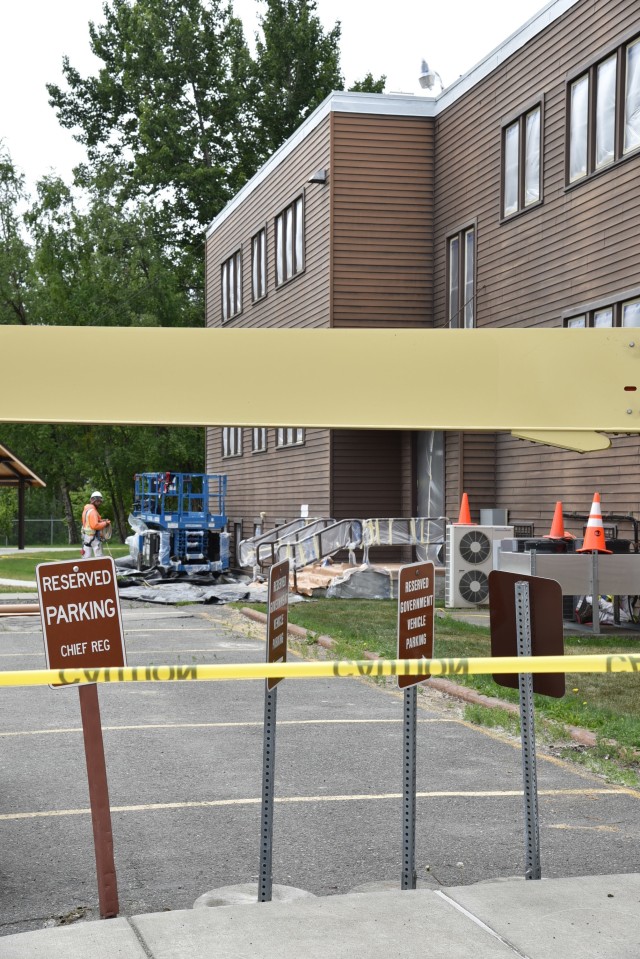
[185,521]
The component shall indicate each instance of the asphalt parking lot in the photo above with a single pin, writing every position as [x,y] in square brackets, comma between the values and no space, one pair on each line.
[185,763]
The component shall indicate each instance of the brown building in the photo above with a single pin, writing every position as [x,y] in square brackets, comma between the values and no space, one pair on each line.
[512,198]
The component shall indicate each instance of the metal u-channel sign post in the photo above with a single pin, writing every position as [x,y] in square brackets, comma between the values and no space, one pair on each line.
[415,641]
[277,622]
[525,615]
[409,789]
[528,737]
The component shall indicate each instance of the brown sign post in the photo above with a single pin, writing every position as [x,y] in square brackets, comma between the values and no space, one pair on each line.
[82,626]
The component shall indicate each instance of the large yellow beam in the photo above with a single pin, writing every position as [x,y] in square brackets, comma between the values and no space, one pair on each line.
[535,382]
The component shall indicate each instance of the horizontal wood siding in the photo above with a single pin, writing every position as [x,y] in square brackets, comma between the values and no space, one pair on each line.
[581,244]
[533,478]
[382,196]
[279,481]
[367,478]
[366,473]
[304,300]
[470,468]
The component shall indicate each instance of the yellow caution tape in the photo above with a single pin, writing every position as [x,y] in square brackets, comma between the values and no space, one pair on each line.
[614,663]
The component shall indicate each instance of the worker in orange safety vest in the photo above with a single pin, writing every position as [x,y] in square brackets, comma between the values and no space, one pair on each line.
[92,526]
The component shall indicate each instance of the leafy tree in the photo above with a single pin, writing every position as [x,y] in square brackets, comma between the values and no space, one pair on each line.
[14,251]
[180,114]
[75,459]
[167,115]
[102,264]
[105,265]
[117,453]
[8,511]
[369,84]
[52,452]
[297,66]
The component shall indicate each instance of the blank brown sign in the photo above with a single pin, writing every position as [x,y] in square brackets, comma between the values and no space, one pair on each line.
[547,638]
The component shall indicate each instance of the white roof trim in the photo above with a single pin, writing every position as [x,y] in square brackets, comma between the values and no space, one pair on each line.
[385,104]
[538,22]
[377,103]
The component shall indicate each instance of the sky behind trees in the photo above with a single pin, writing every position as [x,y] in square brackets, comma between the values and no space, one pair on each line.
[389,40]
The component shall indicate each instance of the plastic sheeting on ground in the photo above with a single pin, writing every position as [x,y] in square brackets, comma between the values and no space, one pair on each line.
[363,582]
[184,592]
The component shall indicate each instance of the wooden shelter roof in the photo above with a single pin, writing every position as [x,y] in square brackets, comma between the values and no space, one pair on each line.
[13,470]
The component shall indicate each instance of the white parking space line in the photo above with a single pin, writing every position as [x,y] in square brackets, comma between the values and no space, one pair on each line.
[151,629]
[292,800]
[221,645]
[282,722]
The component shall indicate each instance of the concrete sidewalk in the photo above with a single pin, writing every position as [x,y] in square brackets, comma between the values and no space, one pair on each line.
[593,917]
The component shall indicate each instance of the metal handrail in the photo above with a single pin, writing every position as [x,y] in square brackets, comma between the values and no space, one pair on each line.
[343,534]
[249,549]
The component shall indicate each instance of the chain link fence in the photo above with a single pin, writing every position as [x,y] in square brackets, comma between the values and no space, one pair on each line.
[39,532]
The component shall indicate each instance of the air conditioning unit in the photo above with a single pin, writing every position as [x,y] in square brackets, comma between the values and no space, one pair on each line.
[470,559]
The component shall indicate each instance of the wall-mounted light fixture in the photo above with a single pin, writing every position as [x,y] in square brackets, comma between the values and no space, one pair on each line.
[320,176]
[428,77]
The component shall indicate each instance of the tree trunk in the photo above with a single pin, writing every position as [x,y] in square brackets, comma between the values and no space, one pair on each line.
[119,518]
[72,526]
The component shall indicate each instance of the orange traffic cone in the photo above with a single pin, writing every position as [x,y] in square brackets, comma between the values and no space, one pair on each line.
[557,526]
[464,519]
[594,541]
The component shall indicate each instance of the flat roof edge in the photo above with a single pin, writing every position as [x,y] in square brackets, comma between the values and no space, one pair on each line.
[398,104]
[381,104]
[535,25]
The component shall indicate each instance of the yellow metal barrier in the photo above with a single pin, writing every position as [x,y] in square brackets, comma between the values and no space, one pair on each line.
[614,663]
[444,400]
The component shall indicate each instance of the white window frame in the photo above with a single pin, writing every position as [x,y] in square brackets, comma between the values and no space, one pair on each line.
[231,286]
[287,436]
[259,265]
[259,439]
[231,441]
[606,129]
[461,277]
[289,229]
[614,311]
[522,160]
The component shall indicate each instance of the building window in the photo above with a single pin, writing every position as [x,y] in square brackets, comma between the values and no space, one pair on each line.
[522,162]
[631,313]
[259,439]
[624,311]
[289,229]
[259,266]
[289,436]
[231,441]
[461,266]
[603,106]
[232,286]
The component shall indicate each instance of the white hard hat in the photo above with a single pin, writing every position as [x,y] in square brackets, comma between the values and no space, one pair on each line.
[96,495]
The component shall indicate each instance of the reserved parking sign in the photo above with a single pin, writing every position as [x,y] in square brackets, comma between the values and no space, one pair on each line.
[80,613]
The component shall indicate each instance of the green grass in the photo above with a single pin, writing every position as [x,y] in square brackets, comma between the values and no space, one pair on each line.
[22,565]
[609,705]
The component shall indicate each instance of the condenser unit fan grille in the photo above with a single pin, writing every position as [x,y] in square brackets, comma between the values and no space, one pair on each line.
[475,547]
[474,586]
